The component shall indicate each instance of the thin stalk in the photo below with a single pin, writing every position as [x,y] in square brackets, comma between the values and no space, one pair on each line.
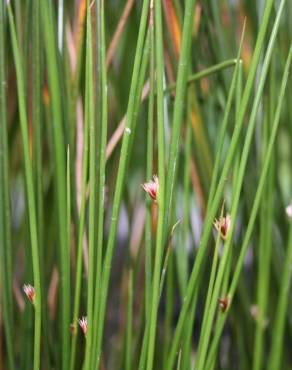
[235,201]
[130,123]
[5,214]
[161,176]
[183,68]
[223,130]
[92,171]
[59,153]
[101,60]
[254,210]
[181,250]
[264,254]
[169,300]
[211,284]
[129,322]
[149,174]
[204,73]
[219,190]
[37,162]
[78,281]
[274,360]
[30,192]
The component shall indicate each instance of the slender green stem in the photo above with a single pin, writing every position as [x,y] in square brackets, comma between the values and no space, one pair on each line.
[244,157]
[205,73]
[130,123]
[181,83]
[129,322]
[30,192]
[101,60]
[161,176]
[149,174]
[5,219]
[78,281]
[60,168]
[37,162]
[92,171]
[181,250]
[254,210]
[264,253]
[217,197]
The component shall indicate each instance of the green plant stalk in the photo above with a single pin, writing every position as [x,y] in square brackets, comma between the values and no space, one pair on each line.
[37,164]
[189,326]
[30,192]
[244,157]
[161,176]
[168,270]
[5,160]
[137,104]
[143,353]
[235,175]
[140,85]
[223,130]
[211,285]
[188,330]
[60,150]
[92,197]
[182,73]
[264,256]
[204,73]
[181,250]
[78,281]
[68,202]
[274,360]
[5,218]
[227,272]
[130,123]
[149,174]
[129,322]
[217,197]
[101,60]
[254,211]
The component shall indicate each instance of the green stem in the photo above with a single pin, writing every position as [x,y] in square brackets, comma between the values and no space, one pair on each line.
[30,192]
[130,125]
[204,73]
[242,167]
[60,168]
[92,171]
[161,176]
[149,174]
[5,216]
[102,107]
[254,210]
[129,322]
[183,68]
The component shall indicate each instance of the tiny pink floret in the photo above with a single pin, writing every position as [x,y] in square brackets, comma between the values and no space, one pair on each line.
[29,292]
[152,187]
[83,324]
[222,226]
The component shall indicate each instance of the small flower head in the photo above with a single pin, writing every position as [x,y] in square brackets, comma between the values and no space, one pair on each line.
[222,225]
[289,210]
[224,303]
[29,292]
[152,187]
[83,324]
